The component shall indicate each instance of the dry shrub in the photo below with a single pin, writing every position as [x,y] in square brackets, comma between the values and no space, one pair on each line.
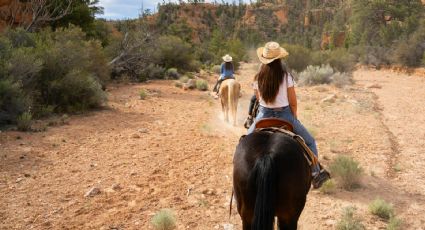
[381,208]
[347,172]
[201,84]
[349,221]
[164,220]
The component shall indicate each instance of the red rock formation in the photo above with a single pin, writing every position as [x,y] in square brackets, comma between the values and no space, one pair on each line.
[12,13]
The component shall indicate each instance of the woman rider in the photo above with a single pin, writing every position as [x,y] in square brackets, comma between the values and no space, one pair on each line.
[226,72]
[274,87]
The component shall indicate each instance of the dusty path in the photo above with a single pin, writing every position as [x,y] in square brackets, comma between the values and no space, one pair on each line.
[174,151]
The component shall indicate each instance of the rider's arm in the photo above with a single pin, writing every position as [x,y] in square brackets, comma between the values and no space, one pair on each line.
[292,98]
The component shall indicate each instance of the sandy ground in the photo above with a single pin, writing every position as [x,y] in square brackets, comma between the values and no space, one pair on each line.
[174,151]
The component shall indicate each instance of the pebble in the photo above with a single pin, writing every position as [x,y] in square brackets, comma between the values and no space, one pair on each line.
[374,85]
[331,99]
[143,130]
[135,135]
[116,187]
[92,192]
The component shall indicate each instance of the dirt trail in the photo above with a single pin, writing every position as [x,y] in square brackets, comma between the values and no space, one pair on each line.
[173,150]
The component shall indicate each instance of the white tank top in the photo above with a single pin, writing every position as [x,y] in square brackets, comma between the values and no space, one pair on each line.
[282,95]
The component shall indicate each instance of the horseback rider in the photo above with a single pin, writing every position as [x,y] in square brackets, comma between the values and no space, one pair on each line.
[226,72]
[274,87]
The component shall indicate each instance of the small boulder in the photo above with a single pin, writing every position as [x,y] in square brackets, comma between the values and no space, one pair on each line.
[329,99]
[374,86]
[92,192]
[135,135]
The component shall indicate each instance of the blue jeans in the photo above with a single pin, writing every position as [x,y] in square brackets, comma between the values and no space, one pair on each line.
[286,114]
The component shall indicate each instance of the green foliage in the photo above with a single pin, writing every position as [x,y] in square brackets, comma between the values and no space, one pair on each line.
[24,122]
[151,71]
[76,91]
[315,75]
[410,52]
[349,221]
[173,52]
[201,84]
[216,69]
[342,79]
[340,60]
[172,73]
[347,172]
[164,220]
[12,101]
[143,94]
[328,187]
[184,79]
[48,70]
[394,223]
[381,208]
[299,57]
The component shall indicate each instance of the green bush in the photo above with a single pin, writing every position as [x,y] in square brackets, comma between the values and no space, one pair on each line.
[173,52]
[24,122]
[152,71]
[216,69]
[164,220]
[394,223]
[172,73]
[184,79]
[423,60]
[340,60]
[347,172]
[76,91]
[381,208]
[13,102]
[201,84]
[342,79]
[328,187]
[143,94]
[299,57]
[24,66]
[315,75]
[349,221]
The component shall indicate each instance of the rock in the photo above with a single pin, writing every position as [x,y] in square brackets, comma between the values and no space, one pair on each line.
[135,135]
[330,99]
[19,179]
[374,86]
[92,192]
[116,187]
[143,130]
[228,226]
[330,223]
[191,84]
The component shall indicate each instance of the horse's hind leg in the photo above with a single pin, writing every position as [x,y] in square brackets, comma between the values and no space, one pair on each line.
[246,225]
[288,224]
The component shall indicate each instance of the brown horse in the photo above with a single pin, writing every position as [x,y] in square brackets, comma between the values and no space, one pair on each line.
[271,178]
[229,95]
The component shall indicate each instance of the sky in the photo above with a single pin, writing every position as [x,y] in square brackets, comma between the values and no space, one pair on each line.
[123,9]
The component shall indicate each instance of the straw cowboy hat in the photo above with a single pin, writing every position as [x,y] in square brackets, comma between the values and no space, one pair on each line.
[227,58]
[270,52]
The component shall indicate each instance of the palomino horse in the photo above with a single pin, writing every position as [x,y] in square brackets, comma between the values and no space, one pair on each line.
[271,178]
[229,95]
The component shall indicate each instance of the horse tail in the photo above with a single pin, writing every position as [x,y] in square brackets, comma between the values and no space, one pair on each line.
[231,94]
[264,175]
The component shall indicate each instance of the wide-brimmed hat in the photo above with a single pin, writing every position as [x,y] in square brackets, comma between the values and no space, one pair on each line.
[270,52]
[227,58]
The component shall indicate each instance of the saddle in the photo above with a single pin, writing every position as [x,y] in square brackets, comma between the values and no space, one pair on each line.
[278,125]
[274,122]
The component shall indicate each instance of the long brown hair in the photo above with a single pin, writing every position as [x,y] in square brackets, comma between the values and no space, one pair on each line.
[269,79]
[228,66]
